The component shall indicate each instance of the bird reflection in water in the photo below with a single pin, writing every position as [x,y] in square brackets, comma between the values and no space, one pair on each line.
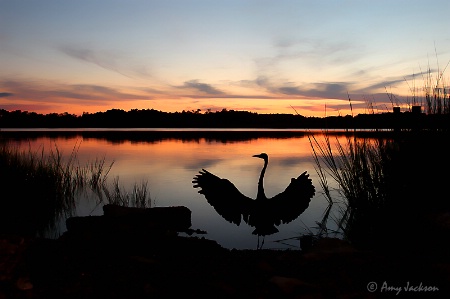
[262,213]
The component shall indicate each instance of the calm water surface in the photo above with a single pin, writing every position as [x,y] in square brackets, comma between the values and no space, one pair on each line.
[169,164]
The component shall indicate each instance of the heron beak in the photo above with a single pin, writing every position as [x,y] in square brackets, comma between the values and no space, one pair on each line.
[257,156]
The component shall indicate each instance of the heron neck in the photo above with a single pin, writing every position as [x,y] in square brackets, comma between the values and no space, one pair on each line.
[261,194]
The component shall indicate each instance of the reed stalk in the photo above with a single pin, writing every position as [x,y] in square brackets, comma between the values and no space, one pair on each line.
[138,197]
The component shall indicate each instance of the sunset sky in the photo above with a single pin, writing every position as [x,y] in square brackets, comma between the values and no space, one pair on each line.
[277,56]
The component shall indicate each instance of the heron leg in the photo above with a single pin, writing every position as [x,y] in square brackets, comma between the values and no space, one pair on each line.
[262,243]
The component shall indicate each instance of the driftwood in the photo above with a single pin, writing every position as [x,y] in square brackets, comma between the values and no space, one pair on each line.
[127,220]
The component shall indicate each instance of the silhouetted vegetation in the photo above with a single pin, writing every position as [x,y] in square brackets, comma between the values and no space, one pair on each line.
[38,189]
[150,118]
[391,190]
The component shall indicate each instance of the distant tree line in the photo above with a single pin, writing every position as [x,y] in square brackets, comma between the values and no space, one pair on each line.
[150,118]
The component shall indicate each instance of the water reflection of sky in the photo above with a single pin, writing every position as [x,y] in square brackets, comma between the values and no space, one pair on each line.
[169,166]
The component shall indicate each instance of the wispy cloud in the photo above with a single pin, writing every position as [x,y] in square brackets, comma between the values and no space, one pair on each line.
[202,87]
[322,90]
[391,82]
[95,92]
[311,51]
[43,91]
[333,90]
[31,107]
[5,94]
[106,59]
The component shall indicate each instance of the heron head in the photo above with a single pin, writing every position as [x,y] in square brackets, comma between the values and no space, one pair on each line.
[262,156]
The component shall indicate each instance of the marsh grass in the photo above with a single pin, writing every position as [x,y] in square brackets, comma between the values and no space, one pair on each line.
[436,89]
[365,173]
[138,197]
[40,188]
[380,184]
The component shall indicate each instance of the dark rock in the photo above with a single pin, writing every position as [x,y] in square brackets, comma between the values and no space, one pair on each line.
[176,215]
[177,218]
[126,220]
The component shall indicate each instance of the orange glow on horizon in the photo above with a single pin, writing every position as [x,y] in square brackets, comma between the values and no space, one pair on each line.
[306,108]
[46,97]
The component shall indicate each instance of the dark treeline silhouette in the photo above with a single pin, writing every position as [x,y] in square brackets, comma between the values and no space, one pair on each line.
[150,118]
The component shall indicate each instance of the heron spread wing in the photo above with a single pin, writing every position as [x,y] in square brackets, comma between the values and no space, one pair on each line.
[293,201]
[226,199]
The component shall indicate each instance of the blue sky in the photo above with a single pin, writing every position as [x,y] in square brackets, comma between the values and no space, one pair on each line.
[261,56]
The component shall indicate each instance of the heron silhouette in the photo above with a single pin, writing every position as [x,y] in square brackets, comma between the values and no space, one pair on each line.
[262,213]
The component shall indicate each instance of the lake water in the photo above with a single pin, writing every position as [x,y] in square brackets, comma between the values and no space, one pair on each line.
[169,159]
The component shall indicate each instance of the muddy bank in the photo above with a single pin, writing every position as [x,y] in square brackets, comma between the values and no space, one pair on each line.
[191,266]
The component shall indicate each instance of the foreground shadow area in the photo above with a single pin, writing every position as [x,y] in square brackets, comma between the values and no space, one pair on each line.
[118,257]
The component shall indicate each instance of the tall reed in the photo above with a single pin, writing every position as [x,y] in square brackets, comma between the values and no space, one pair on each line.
[436,89]
[364,172]
[37,188]
[40,188]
